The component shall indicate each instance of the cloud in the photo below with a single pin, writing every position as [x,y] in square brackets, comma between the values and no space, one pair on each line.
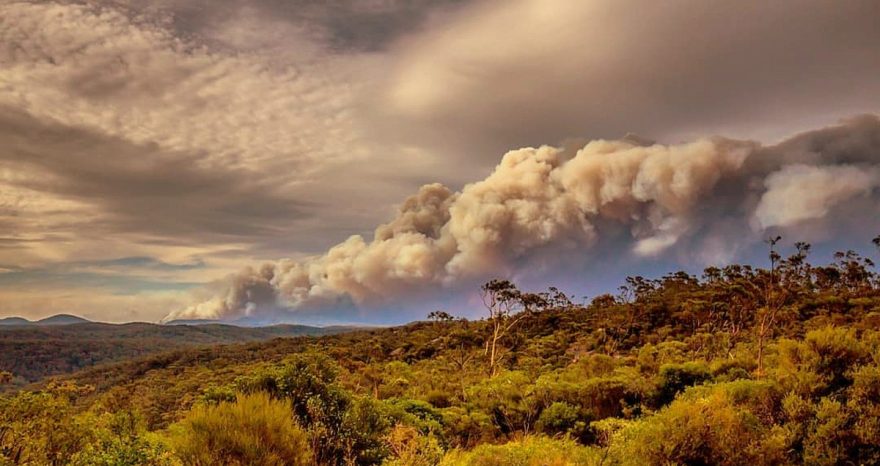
[59,275]
[114,123]
[524,72]
[138,186]
[798,193]
[345,26]
[120,118]
[140,262]
[553,203]
[91,303]
[122,136]
[94,68]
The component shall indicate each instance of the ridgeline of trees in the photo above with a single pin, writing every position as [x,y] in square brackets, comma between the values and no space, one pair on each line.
[35,352]
[740,365]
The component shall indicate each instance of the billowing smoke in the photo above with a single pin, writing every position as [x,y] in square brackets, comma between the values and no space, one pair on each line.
[544,210]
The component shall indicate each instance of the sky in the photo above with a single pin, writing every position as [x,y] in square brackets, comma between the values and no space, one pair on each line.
[367,161]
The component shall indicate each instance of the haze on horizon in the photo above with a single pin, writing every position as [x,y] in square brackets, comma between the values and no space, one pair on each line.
[370,160]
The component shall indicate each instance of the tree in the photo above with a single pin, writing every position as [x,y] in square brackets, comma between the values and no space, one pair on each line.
[854,271]
[511,399]
[707,425]
[309,383]
[876,242]
[795,271]
[502,299]
[737,296]
[460,350]
[440,316]
[558,299]
[771,309]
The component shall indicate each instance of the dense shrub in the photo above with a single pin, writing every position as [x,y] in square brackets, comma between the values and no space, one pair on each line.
[708,426]
[558,418]
[409,447]
[531,451]
[674,378]
[120,440]
[254,429]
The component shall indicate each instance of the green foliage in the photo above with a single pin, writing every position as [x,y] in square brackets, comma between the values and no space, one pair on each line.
[41,427]
[674,378]
[34,352]
[469,426]
[708,427]
[510,398]
[823,362]
[409,447]
[531,451]
[558,418]
[119,440]
[252,430]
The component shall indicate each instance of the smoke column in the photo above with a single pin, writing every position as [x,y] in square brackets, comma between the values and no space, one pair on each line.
[541,208]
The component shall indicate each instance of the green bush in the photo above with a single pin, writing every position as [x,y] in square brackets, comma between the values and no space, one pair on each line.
[42,427]
[409,447]
[530,451]
[254,429]
[558,418]
[706,425]
[674,378]
[121,440]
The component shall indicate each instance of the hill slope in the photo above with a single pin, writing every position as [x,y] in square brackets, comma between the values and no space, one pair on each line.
[32,352]
[58,319]
[14,321]
[62,319]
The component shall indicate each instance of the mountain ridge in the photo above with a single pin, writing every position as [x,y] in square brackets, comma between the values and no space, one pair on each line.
[57,319]
[34,351]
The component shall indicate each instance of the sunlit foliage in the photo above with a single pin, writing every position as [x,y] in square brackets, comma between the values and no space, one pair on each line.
[253,429]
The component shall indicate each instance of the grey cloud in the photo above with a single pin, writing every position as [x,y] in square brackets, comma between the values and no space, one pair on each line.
[140,188]
[348,26]
[60,276]
[100,70]
[527,72]
[140,262]
[174,142]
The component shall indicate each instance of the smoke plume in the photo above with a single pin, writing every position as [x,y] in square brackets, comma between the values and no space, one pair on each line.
[543,210]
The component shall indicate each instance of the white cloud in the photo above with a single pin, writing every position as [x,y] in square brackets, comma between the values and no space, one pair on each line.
[798,193]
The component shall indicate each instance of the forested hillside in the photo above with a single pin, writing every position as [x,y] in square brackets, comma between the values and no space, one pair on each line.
[32,352]
[740,365]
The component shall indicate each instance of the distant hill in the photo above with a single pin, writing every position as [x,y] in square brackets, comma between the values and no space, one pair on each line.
[64,344]
[15,321]
[191,322]
[62,319]
[59,319]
